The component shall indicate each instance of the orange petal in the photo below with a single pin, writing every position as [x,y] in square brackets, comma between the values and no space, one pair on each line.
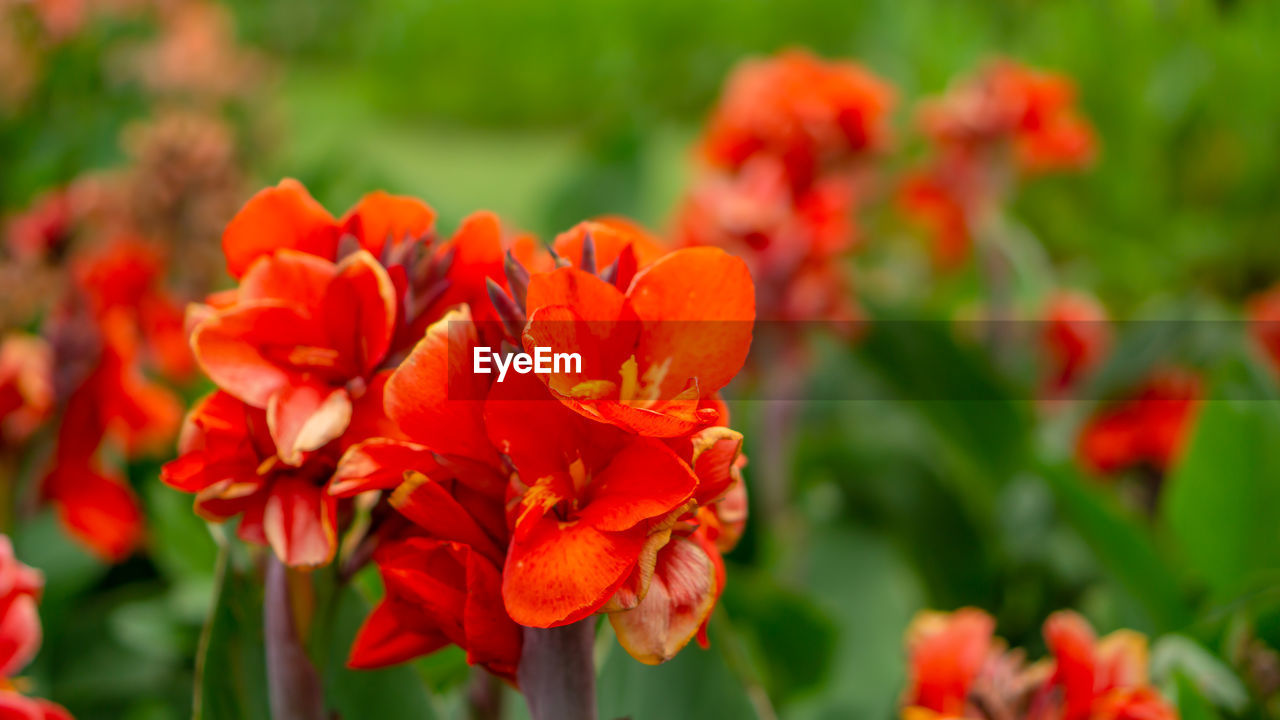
[383,640]
[431,507]
[238,348]
[359,312]
[284,216]
[563,572]
[379,464]
[100,511]
[434,396]
[610,235]
[290,276]
[697,306]
[646,480]
[299,521]
[19,634]
[381,217]
[305,417]
[681,595]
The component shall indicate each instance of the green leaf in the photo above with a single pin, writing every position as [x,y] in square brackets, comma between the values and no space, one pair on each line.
[394,693]
[1123,546]
[954,388]
[696,684]
[1191,704]
[1221,502]
[1180,657]
[231,676]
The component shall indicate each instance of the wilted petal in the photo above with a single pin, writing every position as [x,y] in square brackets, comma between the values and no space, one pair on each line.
[681,595]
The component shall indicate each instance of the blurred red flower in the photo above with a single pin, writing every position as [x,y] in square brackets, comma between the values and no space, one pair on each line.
[958,669]
[1263,311]
[1148,427]
[1075,335]
[20,637]
[809,113]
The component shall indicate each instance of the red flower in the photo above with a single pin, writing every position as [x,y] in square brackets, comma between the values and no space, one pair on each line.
[1264,323]
[20,637]
[26,386]
[1076,336]
[228,459]
[810,114]
[1149,426]
[679,332]
[929,199]
[1032,111]
[287,217]
[45,229]
[946,652]
[114,404]
[301,342]
[959,670]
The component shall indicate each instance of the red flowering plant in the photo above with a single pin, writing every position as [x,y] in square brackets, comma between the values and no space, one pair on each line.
[957,668]
[20,637]
[496,507]
[1007,122]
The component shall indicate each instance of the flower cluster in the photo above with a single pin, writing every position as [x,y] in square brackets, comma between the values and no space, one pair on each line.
[1146,428]
[1006,121]
[343,361]
[959,669]
[782,174]
[20,637]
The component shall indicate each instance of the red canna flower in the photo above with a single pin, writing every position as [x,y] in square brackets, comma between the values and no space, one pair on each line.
[1075,335]
[1006,103]
[678,333]
[1149,427]
[960,670]
[1263,311]
[26,386]
[809,113]
[302,342]
[930,200]
[20,636]
[287,217]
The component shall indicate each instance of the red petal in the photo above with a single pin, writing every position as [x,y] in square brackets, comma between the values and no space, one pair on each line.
[383,640]
[681,596]
[306,417]
[360,312]
[493,639]
[19,634]
[380,217]
[379,464]
[100,511]
[435,397]
[646,480]
[299,520]
[430,506]
[238,348]
[610,235]
[284,216]
[697,306]
[290,276]
[563,572]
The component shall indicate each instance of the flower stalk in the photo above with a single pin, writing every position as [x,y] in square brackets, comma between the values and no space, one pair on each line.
[293,684]
[557,673]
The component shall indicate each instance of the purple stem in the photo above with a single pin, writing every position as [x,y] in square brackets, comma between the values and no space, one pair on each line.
[292,683]
[557,673]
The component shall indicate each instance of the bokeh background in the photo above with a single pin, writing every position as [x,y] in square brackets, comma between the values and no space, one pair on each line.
[551,113]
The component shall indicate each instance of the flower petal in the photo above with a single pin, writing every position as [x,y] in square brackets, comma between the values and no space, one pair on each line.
[697,306]
[563,572]
[289,276]
[384,640]
[381,217]
[359,311]
[305,417]
[239,349]
[299,520]
[681,595]
[646,480]
[100,511]
[379,464]
[284,216]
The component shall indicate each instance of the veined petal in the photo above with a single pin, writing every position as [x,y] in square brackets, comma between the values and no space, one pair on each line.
[681,595]
[563,572]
